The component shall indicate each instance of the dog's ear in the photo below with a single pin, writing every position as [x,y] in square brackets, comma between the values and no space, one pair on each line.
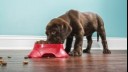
[65,28]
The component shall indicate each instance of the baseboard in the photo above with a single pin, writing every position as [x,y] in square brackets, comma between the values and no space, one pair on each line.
[8,42]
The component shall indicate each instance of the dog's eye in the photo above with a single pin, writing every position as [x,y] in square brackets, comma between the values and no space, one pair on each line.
[53,32]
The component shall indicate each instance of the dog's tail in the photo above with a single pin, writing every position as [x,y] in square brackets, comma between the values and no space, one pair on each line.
[97,37]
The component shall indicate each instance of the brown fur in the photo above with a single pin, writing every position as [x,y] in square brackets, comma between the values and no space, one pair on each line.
[76,24]
[41,42]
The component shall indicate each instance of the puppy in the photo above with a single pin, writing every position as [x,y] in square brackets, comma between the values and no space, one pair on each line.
[76,24]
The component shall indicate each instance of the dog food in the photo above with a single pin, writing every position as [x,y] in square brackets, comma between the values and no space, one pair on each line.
[25,62]
[1,57]
[4,63]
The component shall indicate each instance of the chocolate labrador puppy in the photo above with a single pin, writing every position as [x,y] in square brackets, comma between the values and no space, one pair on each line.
[76,24]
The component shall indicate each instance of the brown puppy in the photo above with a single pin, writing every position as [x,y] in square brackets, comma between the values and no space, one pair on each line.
[76,24]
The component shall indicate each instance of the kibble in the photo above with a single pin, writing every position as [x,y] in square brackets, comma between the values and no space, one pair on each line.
[4,64]
[25,57]
[1,57]
[25,62]
[9,57]
[1,61]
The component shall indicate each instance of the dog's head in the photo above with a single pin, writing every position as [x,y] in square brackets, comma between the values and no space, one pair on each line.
[57,31]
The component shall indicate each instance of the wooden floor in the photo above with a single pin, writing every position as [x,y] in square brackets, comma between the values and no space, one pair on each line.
[95,62]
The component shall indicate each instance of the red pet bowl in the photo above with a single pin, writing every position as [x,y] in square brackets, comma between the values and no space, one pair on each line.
[41,50]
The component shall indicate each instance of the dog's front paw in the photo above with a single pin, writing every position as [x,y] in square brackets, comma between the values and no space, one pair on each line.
[106,51]
[76,52]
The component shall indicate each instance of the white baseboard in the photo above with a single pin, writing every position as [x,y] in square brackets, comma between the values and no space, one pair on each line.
[8,42]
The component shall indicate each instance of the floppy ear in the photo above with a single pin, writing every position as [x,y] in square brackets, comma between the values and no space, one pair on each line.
[65,28]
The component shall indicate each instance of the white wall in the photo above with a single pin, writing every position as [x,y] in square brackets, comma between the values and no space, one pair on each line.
[27,42]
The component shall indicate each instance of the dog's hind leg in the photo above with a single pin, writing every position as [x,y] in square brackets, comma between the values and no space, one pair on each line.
[102,33]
